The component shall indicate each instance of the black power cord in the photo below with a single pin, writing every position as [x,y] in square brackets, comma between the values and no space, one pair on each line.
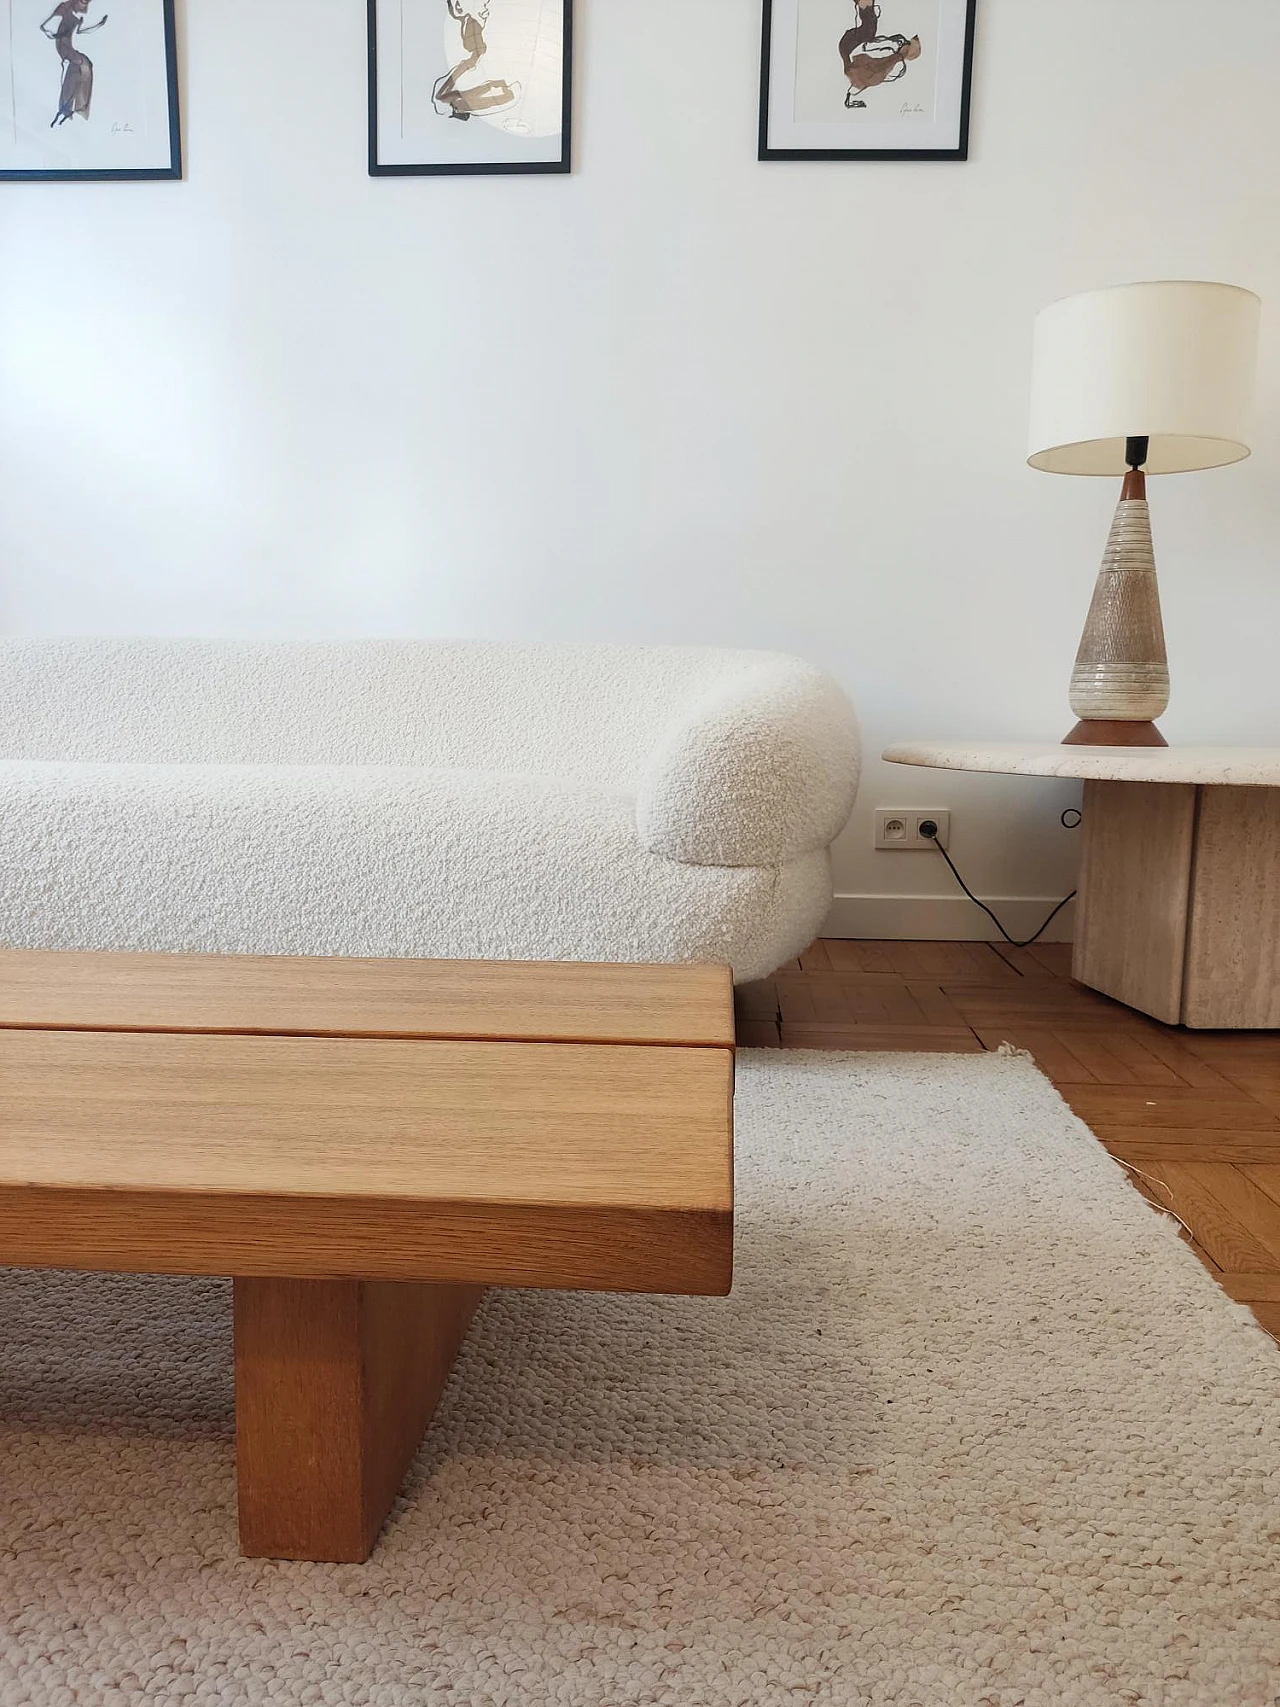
[929,830]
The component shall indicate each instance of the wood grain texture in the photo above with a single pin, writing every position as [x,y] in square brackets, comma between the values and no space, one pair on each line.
[280,995]
[1112,732]
[1170,1107]
[756,1016]
[870,1011]
[914,1040]
[1043,1001]
[585,1165]
[1037,960]
[1223,1210]
[1266,1177]
[1094,1055]
[1233,938]
[1252,1288]
[336,1381]
[928,962]
[1135,879]
[1147,1145]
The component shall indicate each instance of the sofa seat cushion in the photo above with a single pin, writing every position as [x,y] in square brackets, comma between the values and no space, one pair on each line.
[372,860]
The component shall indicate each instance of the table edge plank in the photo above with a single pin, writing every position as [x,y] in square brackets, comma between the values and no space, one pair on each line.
[625,1249]
[684,1004]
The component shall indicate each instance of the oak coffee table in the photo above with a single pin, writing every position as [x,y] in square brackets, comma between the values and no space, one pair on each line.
[365,1145]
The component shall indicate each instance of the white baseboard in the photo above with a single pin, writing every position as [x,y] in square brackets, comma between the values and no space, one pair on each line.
[945,918]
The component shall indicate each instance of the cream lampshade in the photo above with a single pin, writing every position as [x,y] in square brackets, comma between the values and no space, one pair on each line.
[1134,380]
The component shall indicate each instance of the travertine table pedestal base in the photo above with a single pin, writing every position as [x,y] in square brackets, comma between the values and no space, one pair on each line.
[1179,906]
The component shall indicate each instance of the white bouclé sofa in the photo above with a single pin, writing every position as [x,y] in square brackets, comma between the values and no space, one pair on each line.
[424,798]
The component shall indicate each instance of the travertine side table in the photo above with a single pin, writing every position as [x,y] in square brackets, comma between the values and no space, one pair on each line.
[1179,907]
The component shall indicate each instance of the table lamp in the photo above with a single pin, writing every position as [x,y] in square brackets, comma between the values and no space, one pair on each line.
[1134,380]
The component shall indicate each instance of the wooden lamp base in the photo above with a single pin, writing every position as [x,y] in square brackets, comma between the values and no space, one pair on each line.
[1113,732]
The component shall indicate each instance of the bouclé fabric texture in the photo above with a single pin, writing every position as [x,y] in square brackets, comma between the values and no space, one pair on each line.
[421,798]
[763,769]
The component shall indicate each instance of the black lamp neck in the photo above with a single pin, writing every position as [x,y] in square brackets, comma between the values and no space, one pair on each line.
[1136,449]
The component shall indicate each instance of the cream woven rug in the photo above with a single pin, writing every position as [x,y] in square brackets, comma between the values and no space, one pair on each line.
[974,1430]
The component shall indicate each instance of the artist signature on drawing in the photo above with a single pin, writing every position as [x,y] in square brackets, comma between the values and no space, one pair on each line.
[119,129]
[910,110]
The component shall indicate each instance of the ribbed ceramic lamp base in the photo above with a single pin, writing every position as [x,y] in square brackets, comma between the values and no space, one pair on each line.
[1120,682]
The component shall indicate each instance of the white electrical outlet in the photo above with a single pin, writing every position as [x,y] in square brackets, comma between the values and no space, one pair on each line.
[899,826]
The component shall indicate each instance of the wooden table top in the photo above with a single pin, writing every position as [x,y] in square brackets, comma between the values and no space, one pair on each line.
[212,1149]
[280,995]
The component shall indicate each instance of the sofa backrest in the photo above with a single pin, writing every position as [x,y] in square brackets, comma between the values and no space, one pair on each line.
[591,713]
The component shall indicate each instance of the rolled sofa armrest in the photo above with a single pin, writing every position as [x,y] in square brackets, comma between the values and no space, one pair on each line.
[763,769]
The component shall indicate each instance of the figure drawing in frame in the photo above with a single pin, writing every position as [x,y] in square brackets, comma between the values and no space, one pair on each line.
[865,79]
[871,60]
[489,95]
[76,92]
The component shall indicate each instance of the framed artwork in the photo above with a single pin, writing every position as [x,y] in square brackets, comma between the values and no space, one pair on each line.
[866,79]
[469,86]
[88,89]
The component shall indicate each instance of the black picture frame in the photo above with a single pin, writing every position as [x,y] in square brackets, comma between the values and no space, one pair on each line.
[83,175]
[453,168]
[960,152]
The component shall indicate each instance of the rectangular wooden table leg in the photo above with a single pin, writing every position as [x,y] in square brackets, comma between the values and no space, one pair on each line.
[336,1381]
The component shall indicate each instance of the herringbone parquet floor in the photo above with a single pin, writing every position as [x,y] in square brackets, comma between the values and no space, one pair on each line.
[1194,1115]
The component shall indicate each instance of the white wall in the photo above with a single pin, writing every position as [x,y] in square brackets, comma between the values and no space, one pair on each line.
[677,395]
